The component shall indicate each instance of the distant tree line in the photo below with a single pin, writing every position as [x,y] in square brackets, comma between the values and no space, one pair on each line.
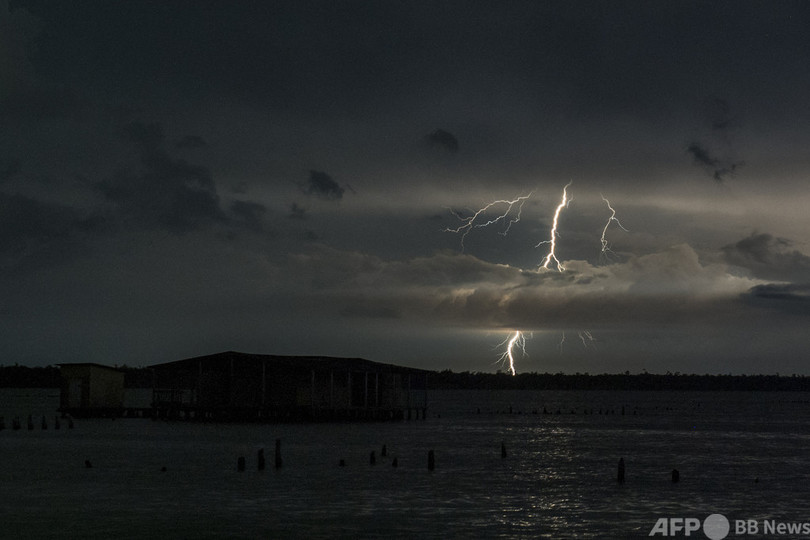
[48,377]
[622,381]
[17,376]
[29,377]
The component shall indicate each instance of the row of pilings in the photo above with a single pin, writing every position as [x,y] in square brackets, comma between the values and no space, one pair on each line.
[261,462]
[16,423]
[675,475]
[372,459]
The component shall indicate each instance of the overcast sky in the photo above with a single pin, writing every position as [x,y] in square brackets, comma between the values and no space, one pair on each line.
[184,178]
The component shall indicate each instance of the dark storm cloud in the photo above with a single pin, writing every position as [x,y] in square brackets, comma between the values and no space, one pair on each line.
[768,257]
[169,192]
[250,214]
[323,186]
[444,140]
[717,168]
[297,211]
[23,220]
[370,309]
[34,232]
[190,141]
[534,93]
[718,115]
[39,103]
[9,168]
[793,299]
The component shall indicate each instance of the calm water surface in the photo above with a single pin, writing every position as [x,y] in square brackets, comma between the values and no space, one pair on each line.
[744,455]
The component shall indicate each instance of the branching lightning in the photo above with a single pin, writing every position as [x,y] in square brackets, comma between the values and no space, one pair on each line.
[552,255]
[515,340]
[469,223]
[586,338]
[511,215]
[605,246]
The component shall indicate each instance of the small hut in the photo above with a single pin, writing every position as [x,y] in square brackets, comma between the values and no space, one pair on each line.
[90,389]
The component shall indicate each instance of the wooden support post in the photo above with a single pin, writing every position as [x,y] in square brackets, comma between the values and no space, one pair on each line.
[676,476]
[372,458]
[621,471]
[431,460]
[503,450]
[260,459]
[264,384]
[278,461]
[312,393]
[240,464]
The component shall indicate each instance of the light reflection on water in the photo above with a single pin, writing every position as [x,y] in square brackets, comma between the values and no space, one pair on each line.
[558,481]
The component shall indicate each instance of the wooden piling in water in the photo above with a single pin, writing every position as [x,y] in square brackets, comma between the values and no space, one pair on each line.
[395,462]
[503,450]
[372,459]
[2,423]
[621,471]
[342,463]
[260,459]
[277,456]
[431,460]
[676,476]
[240,464]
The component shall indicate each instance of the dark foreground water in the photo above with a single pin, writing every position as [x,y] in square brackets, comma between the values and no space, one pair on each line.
[743,455]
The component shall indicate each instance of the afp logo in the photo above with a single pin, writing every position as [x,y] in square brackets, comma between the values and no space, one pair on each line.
[715,527]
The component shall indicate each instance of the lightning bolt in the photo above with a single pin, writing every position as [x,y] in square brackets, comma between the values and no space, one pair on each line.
[516,340]
[511,215]
[586,338]
[552,256]
[605,246]
[469,223]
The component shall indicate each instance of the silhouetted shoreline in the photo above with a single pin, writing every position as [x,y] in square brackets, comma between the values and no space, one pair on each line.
[48,377]
[449,380]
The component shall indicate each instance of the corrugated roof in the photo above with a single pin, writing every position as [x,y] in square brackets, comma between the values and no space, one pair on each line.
[309,362]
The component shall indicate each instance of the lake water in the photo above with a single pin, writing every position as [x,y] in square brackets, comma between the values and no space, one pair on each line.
[743,455]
